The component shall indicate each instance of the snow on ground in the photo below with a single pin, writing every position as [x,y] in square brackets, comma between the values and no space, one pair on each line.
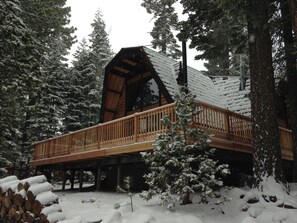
[230,207]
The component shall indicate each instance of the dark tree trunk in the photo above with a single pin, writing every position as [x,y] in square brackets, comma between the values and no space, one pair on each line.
[267,156]
[290,50]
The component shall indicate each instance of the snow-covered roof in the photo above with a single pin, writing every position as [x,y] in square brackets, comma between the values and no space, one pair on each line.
[199,84]
[232,98]
[222,92]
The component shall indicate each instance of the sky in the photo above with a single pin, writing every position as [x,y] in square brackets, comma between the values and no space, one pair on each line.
[127,23]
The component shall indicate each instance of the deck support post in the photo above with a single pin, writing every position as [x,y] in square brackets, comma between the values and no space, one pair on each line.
[81,174]
[72,179]
[98,178]
[81,179]
[35,171]
[119,172]
[64,179]
[48,175]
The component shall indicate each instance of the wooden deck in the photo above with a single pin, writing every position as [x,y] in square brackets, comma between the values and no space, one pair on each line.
[137,132]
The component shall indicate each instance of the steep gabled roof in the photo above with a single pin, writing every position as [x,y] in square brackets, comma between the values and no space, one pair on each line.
[233,99]
[199,84]
[129,62]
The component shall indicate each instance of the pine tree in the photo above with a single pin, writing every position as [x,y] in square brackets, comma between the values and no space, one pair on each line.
[49,22]
[166,21]
[181,162]
[101,54]
[260,16]
[83,93]
[100,47]
[3,165]
[291,73]
[218,35]
[19,71]
[50,106]
[267,156]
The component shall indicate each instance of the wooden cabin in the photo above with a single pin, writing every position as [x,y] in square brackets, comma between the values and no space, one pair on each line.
[139,86]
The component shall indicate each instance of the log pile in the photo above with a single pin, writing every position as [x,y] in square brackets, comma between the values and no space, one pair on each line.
[29,200]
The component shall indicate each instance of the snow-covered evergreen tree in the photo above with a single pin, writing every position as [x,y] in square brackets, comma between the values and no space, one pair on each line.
[49,22]
[19,72]
[100,48]
[87,74]
[50,107]
[166,21]
[181,162]
[83,92]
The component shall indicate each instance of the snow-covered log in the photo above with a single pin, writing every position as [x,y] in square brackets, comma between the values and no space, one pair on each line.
[36,189]
[3,212]
[9,184]
[19,197]
[6,202]
[48,210]
[30,200]
[28,205]
[43,199]
[12,211]
[29,217]
[7,179]
[26,183]
[46,198]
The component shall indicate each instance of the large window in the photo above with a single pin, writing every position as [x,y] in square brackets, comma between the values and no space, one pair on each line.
[142,94]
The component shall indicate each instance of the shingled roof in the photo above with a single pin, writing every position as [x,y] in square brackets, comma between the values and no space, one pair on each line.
[232,98]
[199,84]
[219,91]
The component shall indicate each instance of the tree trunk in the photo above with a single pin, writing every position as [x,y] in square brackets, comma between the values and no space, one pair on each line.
[267,156]
[291,70]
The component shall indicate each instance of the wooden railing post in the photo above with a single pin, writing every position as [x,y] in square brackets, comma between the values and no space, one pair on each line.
[69,144]
[99,135]
[85,140]
[227,124]
[136,127]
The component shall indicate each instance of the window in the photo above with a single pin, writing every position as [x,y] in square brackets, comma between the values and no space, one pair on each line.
[143,94]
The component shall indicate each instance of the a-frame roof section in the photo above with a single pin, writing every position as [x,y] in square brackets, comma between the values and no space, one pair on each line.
[129,65]
[199,84]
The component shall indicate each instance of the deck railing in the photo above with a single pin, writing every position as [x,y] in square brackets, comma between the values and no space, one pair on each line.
[145,125]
